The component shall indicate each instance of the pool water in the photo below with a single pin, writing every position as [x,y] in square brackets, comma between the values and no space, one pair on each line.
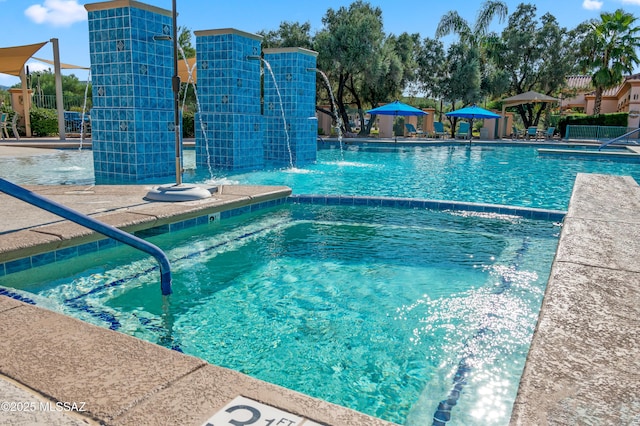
[386,311]
[515,176]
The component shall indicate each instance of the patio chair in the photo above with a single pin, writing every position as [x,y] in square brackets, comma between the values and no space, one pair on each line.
[412,130]
[463,130]
[516,133]
[548,134]
[532,132]
[438,129]
[3,122]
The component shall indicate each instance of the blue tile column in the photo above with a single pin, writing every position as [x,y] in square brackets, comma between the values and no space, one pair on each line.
[295,78]
[229,94]
[132,120]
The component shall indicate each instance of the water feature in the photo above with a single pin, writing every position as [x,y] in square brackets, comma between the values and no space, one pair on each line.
[281,104]
[83,117]
[203,128]
[336,117]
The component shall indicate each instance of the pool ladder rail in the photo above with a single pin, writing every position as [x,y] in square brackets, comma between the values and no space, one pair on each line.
[95,225]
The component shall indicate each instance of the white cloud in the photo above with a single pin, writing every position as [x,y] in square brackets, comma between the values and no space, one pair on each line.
[38,66]
[634,2]
[59,13]
[592,4]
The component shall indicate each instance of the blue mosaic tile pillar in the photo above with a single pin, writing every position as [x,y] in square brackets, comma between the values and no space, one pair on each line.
[295,77]
[229,94]
[132,119]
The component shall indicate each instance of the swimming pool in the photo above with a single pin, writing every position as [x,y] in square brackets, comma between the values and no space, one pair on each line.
[483,173]
[387,311]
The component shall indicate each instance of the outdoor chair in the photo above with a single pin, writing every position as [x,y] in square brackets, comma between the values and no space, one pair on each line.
[438,129]
[412,130]
[548,134]
[532,132]
[463,130]
[3,122]
[517,133]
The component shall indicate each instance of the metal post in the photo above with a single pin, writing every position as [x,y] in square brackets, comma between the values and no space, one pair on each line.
[175,83]
[58,79]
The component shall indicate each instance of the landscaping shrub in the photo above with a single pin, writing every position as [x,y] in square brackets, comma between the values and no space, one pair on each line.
[44,122]
[613,119]
[188,124]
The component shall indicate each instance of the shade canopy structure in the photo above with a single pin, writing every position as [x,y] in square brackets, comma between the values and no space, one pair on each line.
[13,59]
[396,108]
[530,97]
[473,112]
[62,65]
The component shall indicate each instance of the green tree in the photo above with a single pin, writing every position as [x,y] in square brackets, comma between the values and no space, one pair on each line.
[477,35]
[184,41]
[610,51]
[531,54]
[430,72]
[350,42]
[472,35]
[386,75]
[289,34]
[462,81]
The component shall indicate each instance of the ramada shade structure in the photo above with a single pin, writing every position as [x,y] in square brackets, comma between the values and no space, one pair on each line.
[530,97]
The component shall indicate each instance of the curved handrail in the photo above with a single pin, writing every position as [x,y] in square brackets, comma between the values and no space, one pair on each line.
[91,223]
[609,142]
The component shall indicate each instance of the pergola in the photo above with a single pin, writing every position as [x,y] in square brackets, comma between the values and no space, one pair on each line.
[12,62]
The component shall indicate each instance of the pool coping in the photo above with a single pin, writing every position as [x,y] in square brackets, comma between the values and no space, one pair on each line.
[569,375]
[583,365]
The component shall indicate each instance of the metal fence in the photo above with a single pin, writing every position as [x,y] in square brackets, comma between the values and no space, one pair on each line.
[69,102]
[596,133]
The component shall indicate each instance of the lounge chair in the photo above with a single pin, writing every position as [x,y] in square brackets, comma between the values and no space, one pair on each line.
[438,129]
[516,133]
[532,132]
[548,134]
[3,123]
[463,130]
[412,130]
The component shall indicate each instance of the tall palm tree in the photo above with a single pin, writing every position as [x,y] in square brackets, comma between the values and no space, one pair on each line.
[453,23]
[476,37]
[610,51]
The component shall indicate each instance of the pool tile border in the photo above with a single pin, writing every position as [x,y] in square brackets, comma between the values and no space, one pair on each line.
[413,203]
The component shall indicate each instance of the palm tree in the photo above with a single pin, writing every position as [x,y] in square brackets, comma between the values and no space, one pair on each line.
[475,37]
[452,23]
[610,51]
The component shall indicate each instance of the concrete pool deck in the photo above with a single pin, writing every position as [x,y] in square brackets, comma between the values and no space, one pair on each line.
[583,366]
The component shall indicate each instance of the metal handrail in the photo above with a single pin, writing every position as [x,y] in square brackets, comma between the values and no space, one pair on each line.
[609,142]
[91,223]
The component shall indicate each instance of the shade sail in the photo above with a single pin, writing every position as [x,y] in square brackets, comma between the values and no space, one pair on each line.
[62,66]
[12,59]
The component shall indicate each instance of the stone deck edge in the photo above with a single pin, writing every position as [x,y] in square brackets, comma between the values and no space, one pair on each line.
[583,365]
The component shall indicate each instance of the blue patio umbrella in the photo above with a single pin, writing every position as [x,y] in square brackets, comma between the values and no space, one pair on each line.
[396,108]
[471,113]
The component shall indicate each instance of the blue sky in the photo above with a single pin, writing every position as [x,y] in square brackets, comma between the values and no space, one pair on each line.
[32,21]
